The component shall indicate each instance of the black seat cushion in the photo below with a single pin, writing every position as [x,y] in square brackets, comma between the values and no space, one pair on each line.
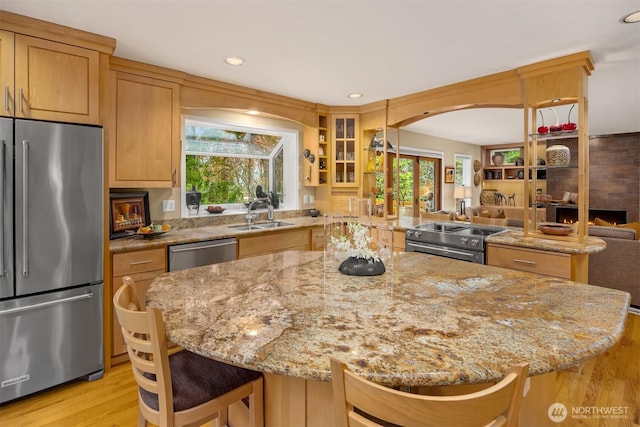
[197,379]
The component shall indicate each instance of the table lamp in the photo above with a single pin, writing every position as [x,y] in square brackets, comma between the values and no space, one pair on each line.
[461,193]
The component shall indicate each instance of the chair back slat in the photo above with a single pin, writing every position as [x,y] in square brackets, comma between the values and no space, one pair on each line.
[149,357]
[494,405]
[197,400]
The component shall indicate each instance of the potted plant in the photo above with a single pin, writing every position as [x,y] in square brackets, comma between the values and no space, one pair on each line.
[361,259]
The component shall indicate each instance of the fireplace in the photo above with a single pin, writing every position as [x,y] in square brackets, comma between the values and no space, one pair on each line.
[569,214]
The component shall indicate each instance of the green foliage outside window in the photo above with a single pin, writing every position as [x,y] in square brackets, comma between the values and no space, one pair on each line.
[226,179]
[227,165]
[426,180]
[510,155]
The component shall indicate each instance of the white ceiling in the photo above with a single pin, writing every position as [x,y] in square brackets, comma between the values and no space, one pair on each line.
[322,50]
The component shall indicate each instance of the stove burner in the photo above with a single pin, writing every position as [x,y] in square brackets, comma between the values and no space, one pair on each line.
[453,240]
[446,228]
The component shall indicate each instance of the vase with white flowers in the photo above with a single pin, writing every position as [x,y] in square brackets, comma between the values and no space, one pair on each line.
[361,259]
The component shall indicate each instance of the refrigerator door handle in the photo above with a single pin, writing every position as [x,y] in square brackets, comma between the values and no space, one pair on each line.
[2,188]
[45,304]
[25,208]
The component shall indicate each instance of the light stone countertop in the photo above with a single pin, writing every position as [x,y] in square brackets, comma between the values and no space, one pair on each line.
[427,321]
[191,234]
[189,231]
[515,237]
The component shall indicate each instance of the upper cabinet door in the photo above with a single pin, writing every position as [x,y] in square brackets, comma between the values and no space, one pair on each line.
[144,132]
[6,73]
[345,155]
[55,81]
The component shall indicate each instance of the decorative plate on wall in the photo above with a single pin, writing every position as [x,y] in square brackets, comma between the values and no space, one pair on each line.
[476,179]
[476,165]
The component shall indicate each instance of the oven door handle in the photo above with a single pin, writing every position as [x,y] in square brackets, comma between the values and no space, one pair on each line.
[441,249]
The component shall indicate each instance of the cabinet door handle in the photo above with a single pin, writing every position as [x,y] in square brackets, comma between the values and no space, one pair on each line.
[174,177]
[6,98]
[524,261]
[146,261]
[21,109]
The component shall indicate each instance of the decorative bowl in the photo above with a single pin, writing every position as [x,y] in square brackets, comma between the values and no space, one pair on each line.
[556,229]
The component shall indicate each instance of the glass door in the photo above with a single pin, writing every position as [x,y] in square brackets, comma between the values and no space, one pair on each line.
[416,185]
[428,185]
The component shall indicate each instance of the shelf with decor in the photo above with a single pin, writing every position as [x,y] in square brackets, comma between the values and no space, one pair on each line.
[323,150]
[503,162]
[373,174]
[503,173]
[560,163]
[558,91]
[376,177]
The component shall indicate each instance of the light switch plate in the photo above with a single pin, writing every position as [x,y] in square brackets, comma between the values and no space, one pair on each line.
[168,205]
[305,199]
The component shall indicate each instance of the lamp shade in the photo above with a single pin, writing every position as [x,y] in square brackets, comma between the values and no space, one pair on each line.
[458,193]
[468,192]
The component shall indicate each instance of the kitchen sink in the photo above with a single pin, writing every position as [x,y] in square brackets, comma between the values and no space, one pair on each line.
[272,224]
[245,227]
[260,225]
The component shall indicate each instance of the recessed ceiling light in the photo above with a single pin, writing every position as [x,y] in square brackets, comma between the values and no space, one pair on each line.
[253,112]
[234,60]
[631,18]
[354,95]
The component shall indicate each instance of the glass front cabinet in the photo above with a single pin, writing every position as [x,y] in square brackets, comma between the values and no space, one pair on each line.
[345,156]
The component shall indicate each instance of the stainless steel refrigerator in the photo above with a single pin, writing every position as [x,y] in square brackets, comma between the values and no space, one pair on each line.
[51,251]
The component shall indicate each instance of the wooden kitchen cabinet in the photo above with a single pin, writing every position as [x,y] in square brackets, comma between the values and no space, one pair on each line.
[277,242]
[47,80]
[144,132]
[532,260]
[6,72]
[399,239]
[142,267]
[318,239]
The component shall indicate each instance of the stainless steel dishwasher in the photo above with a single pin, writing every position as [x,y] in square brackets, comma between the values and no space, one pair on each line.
[189,255]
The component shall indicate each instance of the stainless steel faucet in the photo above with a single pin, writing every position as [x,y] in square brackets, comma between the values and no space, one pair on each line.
[250,216]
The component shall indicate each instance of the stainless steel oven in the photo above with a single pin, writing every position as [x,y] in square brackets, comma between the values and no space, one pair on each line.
[459,241]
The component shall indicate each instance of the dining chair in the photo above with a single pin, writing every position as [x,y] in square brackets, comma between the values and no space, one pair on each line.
[489,221]
[182,388]
[361,403]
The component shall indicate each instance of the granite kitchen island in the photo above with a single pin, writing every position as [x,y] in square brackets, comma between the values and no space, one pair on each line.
[428,321]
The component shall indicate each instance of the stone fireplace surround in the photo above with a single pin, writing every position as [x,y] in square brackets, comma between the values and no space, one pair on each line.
[614,174]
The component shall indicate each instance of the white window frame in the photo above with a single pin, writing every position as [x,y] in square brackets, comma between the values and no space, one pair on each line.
[290,142]
[467,177]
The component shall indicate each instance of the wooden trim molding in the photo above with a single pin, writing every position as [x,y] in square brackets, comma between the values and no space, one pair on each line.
[501,89]
[199,92]
[146,70]
[37,28]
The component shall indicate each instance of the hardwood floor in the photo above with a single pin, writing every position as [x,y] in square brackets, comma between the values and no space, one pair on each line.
[609,381]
